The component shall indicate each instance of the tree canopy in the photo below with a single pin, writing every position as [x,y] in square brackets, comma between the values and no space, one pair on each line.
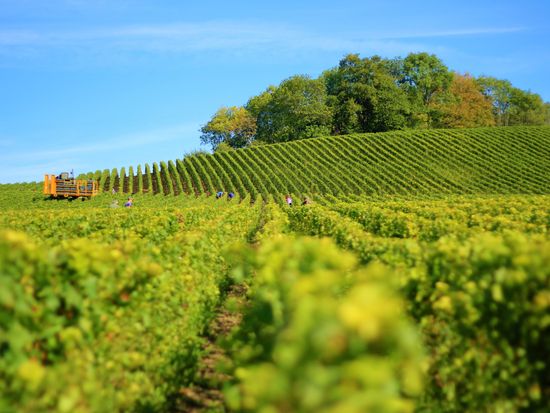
[374,94]
[464,106]
[233,126]
[513,106]
[296,109]
[364,96]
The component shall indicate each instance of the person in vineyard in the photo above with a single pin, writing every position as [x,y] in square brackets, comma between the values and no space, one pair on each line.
[129,203]
[219,194]
[288,200]
[230,196]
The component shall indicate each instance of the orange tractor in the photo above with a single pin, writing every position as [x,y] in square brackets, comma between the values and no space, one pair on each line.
[68,187]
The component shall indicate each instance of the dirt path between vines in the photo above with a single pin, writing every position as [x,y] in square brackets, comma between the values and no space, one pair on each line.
[205,394]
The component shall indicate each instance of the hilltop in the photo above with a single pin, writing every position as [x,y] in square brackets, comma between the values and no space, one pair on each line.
[420,162]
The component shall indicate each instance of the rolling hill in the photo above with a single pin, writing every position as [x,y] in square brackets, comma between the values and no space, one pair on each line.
[508,160]
[377,296]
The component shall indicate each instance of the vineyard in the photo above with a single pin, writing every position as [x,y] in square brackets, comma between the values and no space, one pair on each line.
[417,280]
[469,161]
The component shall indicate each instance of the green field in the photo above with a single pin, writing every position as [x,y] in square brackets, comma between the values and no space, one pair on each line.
[418,280]
[421,162]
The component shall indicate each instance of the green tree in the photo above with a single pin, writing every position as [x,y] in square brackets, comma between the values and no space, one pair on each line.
[500,93]
[223,147]
[296,109]
[233,125]
[257,105]
[364,96]
[426,81]
[527,108]
[513,106]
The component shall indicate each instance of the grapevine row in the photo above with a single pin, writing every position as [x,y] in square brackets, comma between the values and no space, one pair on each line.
[477,161]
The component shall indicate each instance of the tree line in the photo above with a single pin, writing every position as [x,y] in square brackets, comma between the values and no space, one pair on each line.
[373,94]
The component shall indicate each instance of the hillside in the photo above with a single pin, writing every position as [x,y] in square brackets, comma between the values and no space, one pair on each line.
[426,162]
[375,294]
[131,308]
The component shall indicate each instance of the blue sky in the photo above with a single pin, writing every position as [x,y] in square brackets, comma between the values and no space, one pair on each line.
[96,84]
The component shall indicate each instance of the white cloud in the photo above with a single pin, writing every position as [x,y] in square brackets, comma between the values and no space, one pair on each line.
[132,148]
[189,37]
[184,36]
[127,141]
[454,32]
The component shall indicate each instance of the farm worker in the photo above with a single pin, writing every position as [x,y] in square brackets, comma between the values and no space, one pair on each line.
[114,204]
[230,196]
[219,194]
[129,203]
[306,201]
[288,200]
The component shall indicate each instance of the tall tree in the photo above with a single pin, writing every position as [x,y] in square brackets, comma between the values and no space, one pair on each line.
[500,93]
[527,108]
[424,77]
[364,96]
[296,109]
[513,106]
[234,126]
[257,105]
[464,105]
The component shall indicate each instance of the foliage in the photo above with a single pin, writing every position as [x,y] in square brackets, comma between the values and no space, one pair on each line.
[233,126]
[477,281]
[429,162]
[426,81]
[296,109]
[483,305]
[513,106]
[373,94]
[106,309]
[466,106]
[365,97]
[103,311]
[223,147]
[432,294]
[317,335]
[527,108]
[423,75]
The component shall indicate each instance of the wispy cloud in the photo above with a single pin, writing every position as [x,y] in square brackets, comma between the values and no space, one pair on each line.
[160,144]
[206,36]
[479,31]
[107,145]
[184,36]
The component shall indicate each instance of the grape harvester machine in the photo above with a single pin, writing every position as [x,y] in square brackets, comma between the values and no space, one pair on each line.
[64,185]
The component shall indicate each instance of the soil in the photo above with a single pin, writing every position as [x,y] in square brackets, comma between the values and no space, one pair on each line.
[125,184]
[155,189]
[206,395]
[135,184]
